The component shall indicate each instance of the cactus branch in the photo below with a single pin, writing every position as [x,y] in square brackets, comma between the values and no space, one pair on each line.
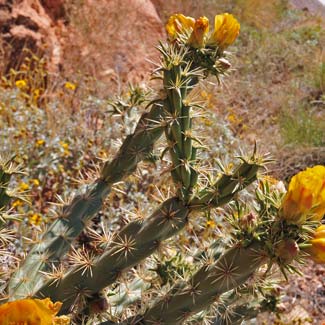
[57,240]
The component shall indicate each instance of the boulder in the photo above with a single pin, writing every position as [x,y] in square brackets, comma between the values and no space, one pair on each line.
[106,39]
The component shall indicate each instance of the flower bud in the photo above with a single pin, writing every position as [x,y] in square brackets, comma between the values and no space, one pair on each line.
[248,220]
[287,250]
[223,64]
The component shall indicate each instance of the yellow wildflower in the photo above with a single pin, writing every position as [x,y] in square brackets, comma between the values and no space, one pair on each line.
[61,168]
[305,198]
[64,145]
[226,30]
[211,224]
[178,24]
[23,186]
[35,181]
[317,249]
[70,86]
[32,312]
[36,94]
[21,84]
[17,203]
[39,142]
[199,33]
[35,219]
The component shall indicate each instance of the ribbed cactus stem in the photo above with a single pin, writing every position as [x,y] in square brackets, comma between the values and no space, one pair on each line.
[224,189]
[178,82]
[132,244]
[57,240]
[228,315]
[231,270]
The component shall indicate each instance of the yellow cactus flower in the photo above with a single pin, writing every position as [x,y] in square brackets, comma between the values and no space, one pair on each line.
[226,30]
[317,249]
[32,312]
[305,198]
[178,24]
[199,33]
[21,84]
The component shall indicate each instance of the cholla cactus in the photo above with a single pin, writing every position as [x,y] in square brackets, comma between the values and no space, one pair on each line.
[262,233]
[8,168]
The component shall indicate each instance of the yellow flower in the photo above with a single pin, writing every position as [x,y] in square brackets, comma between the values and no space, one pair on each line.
[317,249]
[35,181]
[35,219]
[211,224]
[199,33]
[178,24]
[305,198]
[70,86]
[226,30]
[39,142]
[23,186]
[32,312]
[21,84]
[64,145]
[17,203]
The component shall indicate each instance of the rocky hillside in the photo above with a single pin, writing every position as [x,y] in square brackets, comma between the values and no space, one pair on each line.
[110,40]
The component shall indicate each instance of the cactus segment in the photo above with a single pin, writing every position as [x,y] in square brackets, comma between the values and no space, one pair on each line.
[224,189]
[132,244]
[231,270]
[57,240]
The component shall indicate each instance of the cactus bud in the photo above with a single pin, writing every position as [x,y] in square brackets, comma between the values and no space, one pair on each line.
[287,250]
[223,64]
[248,221]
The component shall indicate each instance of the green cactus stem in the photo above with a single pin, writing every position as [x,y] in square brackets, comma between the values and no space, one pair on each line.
[132,244]
[231,270]
[179,77]
[57,240]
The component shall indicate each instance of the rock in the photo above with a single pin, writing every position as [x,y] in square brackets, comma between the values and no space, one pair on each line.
[313,6]
[26,25]
[106,39]
[114,40]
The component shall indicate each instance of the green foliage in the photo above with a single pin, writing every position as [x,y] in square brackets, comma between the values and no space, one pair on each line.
[303,127]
